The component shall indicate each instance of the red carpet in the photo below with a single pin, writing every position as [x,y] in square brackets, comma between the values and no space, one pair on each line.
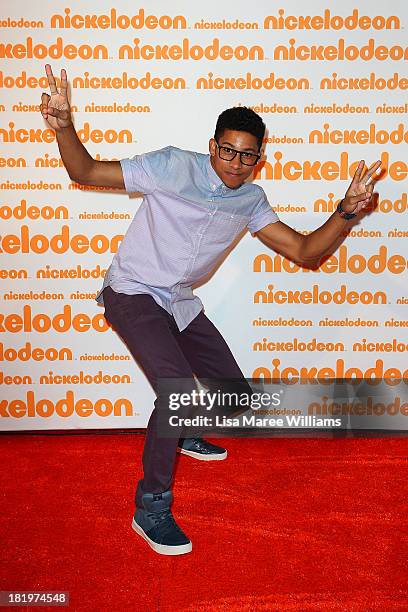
[298,524]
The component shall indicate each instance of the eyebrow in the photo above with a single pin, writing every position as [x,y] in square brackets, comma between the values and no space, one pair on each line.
[249,149]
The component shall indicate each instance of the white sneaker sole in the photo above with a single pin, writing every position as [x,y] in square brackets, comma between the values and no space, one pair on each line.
[162,549]
[201,457]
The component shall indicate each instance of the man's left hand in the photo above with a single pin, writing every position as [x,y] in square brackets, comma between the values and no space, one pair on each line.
[360,191]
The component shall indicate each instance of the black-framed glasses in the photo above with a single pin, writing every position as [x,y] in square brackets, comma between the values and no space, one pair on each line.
[228,154]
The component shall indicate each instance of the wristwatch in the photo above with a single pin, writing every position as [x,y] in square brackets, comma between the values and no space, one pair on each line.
[343,213]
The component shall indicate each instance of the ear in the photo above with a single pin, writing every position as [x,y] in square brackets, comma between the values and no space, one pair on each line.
[212,147]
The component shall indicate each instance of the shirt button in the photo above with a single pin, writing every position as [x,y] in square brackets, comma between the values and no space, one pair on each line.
[211,199]
[213,187]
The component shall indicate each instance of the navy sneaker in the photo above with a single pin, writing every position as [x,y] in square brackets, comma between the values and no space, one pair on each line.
[201,449]
[156,524]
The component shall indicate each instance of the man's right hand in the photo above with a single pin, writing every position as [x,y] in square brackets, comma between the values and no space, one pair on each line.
[55,107]
[81,167]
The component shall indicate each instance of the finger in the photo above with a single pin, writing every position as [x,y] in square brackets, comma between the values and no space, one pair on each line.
[64,83]
[370,188]
[54,112]
[44,103]
[368,177]
[369,192]
[357,174]
[58,113]
[51,80]
[368,199]
[362,197]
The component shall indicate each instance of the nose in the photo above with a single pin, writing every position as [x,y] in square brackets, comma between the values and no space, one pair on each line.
[236,162]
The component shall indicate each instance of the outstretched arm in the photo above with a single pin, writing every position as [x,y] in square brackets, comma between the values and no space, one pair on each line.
[80,165]
[305,250]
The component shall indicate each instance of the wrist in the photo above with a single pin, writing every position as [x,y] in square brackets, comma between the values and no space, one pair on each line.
[63,128]
[344,214]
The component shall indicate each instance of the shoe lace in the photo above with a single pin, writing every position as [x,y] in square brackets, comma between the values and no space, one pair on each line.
[165,520]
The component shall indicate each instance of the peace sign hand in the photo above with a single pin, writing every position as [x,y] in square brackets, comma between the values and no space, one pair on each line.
[55,108]
[360,191]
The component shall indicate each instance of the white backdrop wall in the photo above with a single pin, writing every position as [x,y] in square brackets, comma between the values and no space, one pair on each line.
[329,81]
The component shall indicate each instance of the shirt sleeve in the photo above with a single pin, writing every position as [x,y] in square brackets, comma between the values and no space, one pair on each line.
[142,173]
[262,215]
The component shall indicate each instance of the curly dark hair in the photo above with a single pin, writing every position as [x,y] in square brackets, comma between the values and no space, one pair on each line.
[241,119]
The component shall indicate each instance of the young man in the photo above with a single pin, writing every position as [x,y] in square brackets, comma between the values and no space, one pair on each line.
[194,206]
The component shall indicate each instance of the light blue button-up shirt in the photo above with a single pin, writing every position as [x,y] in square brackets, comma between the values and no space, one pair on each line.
[186,221]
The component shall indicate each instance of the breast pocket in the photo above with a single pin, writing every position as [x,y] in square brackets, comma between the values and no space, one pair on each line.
[230,225]
[220,235]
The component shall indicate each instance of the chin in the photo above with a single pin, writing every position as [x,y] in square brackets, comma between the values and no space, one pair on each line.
[233,184]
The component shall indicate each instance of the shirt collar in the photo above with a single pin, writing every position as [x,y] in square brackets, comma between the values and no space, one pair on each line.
[213,178]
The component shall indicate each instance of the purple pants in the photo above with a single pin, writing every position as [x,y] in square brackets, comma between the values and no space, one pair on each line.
[162,351]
